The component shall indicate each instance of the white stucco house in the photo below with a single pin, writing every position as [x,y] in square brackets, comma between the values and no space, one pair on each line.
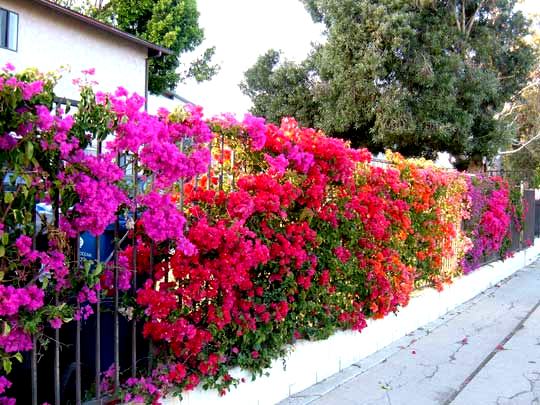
[42,34]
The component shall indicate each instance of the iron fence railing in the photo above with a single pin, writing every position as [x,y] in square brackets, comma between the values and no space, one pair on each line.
[515,177]
[530,217]
[79,351]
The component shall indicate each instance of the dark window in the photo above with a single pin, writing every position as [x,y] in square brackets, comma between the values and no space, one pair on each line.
[9,29]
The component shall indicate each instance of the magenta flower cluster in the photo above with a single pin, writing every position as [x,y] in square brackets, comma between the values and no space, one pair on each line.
[491,215]
[13,299]
[166,149]
[91,191]
[4,385]
[27,89]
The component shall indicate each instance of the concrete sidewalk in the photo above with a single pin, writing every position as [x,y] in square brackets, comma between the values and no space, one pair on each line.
[486,351]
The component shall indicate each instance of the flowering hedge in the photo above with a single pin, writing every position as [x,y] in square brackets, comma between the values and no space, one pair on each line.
[288,234]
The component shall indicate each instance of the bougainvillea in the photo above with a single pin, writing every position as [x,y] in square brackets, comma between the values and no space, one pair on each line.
[439,202]
[48,159]
[287,234]
[492,217]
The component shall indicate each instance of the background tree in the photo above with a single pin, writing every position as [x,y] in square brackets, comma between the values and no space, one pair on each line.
[172,24]
[416,76]
[522,116]
[281,89]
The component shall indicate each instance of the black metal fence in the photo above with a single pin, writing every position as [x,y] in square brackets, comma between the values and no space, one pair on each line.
[531,220]
[66,367]
[537,218]
[516,177]
[521,235]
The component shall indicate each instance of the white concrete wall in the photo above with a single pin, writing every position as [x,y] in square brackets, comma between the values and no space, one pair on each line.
[156,102]
[311,362]
[49,40]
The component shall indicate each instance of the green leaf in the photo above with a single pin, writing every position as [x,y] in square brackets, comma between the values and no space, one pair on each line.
[7,329]
[87,265]
[29,150]
[6,363]
[19,357]
[5,238]
[99,269]
[27,179]
[2,251]
[8,197]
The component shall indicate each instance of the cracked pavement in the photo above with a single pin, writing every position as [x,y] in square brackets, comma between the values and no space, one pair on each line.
[486,351]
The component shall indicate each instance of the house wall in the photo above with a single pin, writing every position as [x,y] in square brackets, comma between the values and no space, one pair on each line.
[157,102]
[51,41]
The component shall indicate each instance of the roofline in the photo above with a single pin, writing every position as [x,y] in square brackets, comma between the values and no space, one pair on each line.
[153,49]
[173,95]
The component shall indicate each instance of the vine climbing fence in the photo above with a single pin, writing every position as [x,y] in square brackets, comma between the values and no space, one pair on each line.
[144,254]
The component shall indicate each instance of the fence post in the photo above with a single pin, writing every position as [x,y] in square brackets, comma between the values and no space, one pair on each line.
[116,333]
[98,311]
[135,169]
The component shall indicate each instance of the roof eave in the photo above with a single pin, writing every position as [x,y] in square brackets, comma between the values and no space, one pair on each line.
[153,49]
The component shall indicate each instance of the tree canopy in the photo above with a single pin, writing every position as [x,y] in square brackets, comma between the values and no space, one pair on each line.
[415,76]
[522,115]
[172,24]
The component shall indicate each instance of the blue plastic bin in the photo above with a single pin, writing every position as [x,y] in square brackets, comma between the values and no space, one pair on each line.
[87,247]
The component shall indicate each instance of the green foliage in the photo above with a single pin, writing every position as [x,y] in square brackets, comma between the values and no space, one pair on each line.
[415,76]
[172,24]
[280,90]
[522,117]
